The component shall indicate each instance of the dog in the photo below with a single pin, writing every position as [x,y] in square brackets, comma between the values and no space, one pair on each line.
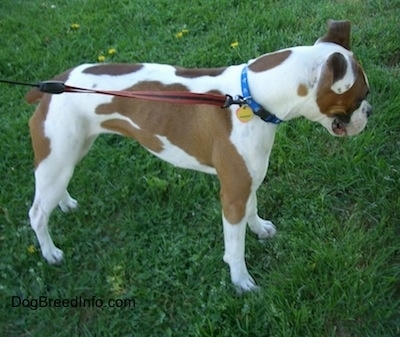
[322,82]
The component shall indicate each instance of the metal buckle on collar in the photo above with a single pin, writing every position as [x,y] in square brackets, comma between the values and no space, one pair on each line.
[238,100]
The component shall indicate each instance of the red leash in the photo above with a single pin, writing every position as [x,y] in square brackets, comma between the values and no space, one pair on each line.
[177,97]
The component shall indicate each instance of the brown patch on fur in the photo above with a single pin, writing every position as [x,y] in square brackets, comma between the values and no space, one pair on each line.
[125,128]
[302,90]
[40,143]
[269,61]
[113,69]
[191,127]
[338,64]
[235,181]
[193,73]
[35,95]
[202,131]
[332,104]
[338,32]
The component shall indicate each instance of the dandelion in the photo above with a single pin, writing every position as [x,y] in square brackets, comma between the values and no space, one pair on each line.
[31,249]
[75,26]
[112,51]
[182,33]
[234,44]
[101,58]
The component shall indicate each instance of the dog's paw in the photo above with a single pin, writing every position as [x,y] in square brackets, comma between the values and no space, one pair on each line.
[54,256]
[245,284]
[68,204]
[267,229]
[263,228]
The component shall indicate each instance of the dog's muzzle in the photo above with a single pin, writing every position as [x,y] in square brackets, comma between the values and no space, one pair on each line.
[351,125]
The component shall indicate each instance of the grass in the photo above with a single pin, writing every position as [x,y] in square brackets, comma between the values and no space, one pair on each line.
[150,232]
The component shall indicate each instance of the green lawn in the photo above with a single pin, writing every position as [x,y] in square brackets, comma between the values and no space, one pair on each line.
[152,233]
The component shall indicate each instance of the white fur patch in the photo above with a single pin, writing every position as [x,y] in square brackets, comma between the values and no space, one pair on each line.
[177,157]
[234,239]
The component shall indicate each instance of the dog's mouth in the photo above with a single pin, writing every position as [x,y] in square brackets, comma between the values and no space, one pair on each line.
[338,127]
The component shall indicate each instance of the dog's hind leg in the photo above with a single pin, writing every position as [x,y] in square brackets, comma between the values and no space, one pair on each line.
[59,143]
[51,178]
[67,203]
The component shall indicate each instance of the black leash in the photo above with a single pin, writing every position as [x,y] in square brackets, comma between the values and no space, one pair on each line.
[49,87]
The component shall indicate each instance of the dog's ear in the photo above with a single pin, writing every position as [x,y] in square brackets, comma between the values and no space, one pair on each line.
[338,32]
[338,73]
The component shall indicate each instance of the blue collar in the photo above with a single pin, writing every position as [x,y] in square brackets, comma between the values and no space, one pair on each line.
[258,110]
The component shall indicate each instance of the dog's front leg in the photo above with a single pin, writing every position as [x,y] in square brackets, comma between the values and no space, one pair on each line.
[234,239]
[236,192]
[263,228]
[235,201]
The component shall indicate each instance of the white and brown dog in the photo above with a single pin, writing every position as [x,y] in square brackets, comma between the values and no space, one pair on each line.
[323,83]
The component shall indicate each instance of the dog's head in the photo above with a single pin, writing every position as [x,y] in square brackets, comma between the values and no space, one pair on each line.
[341,86]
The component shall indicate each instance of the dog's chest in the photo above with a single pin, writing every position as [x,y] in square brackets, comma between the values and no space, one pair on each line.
[254,142]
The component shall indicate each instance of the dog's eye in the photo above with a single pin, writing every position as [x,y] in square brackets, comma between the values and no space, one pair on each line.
[365,96]
[360,101]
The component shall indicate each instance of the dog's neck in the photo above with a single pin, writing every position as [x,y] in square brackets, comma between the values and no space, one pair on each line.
[258,110]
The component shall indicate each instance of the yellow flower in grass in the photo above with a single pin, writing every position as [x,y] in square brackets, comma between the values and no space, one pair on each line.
[110,52]
[31,249]
[75,26]
[234,44]
[182,33]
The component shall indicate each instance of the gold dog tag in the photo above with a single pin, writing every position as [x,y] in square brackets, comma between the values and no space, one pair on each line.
[244,113]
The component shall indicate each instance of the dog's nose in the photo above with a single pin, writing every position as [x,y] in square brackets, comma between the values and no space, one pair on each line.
[368,109]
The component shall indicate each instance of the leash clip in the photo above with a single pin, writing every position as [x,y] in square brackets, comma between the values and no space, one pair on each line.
[238,100]
[51,87]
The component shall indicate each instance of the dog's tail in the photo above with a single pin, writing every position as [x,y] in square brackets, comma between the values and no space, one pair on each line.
[35,95]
